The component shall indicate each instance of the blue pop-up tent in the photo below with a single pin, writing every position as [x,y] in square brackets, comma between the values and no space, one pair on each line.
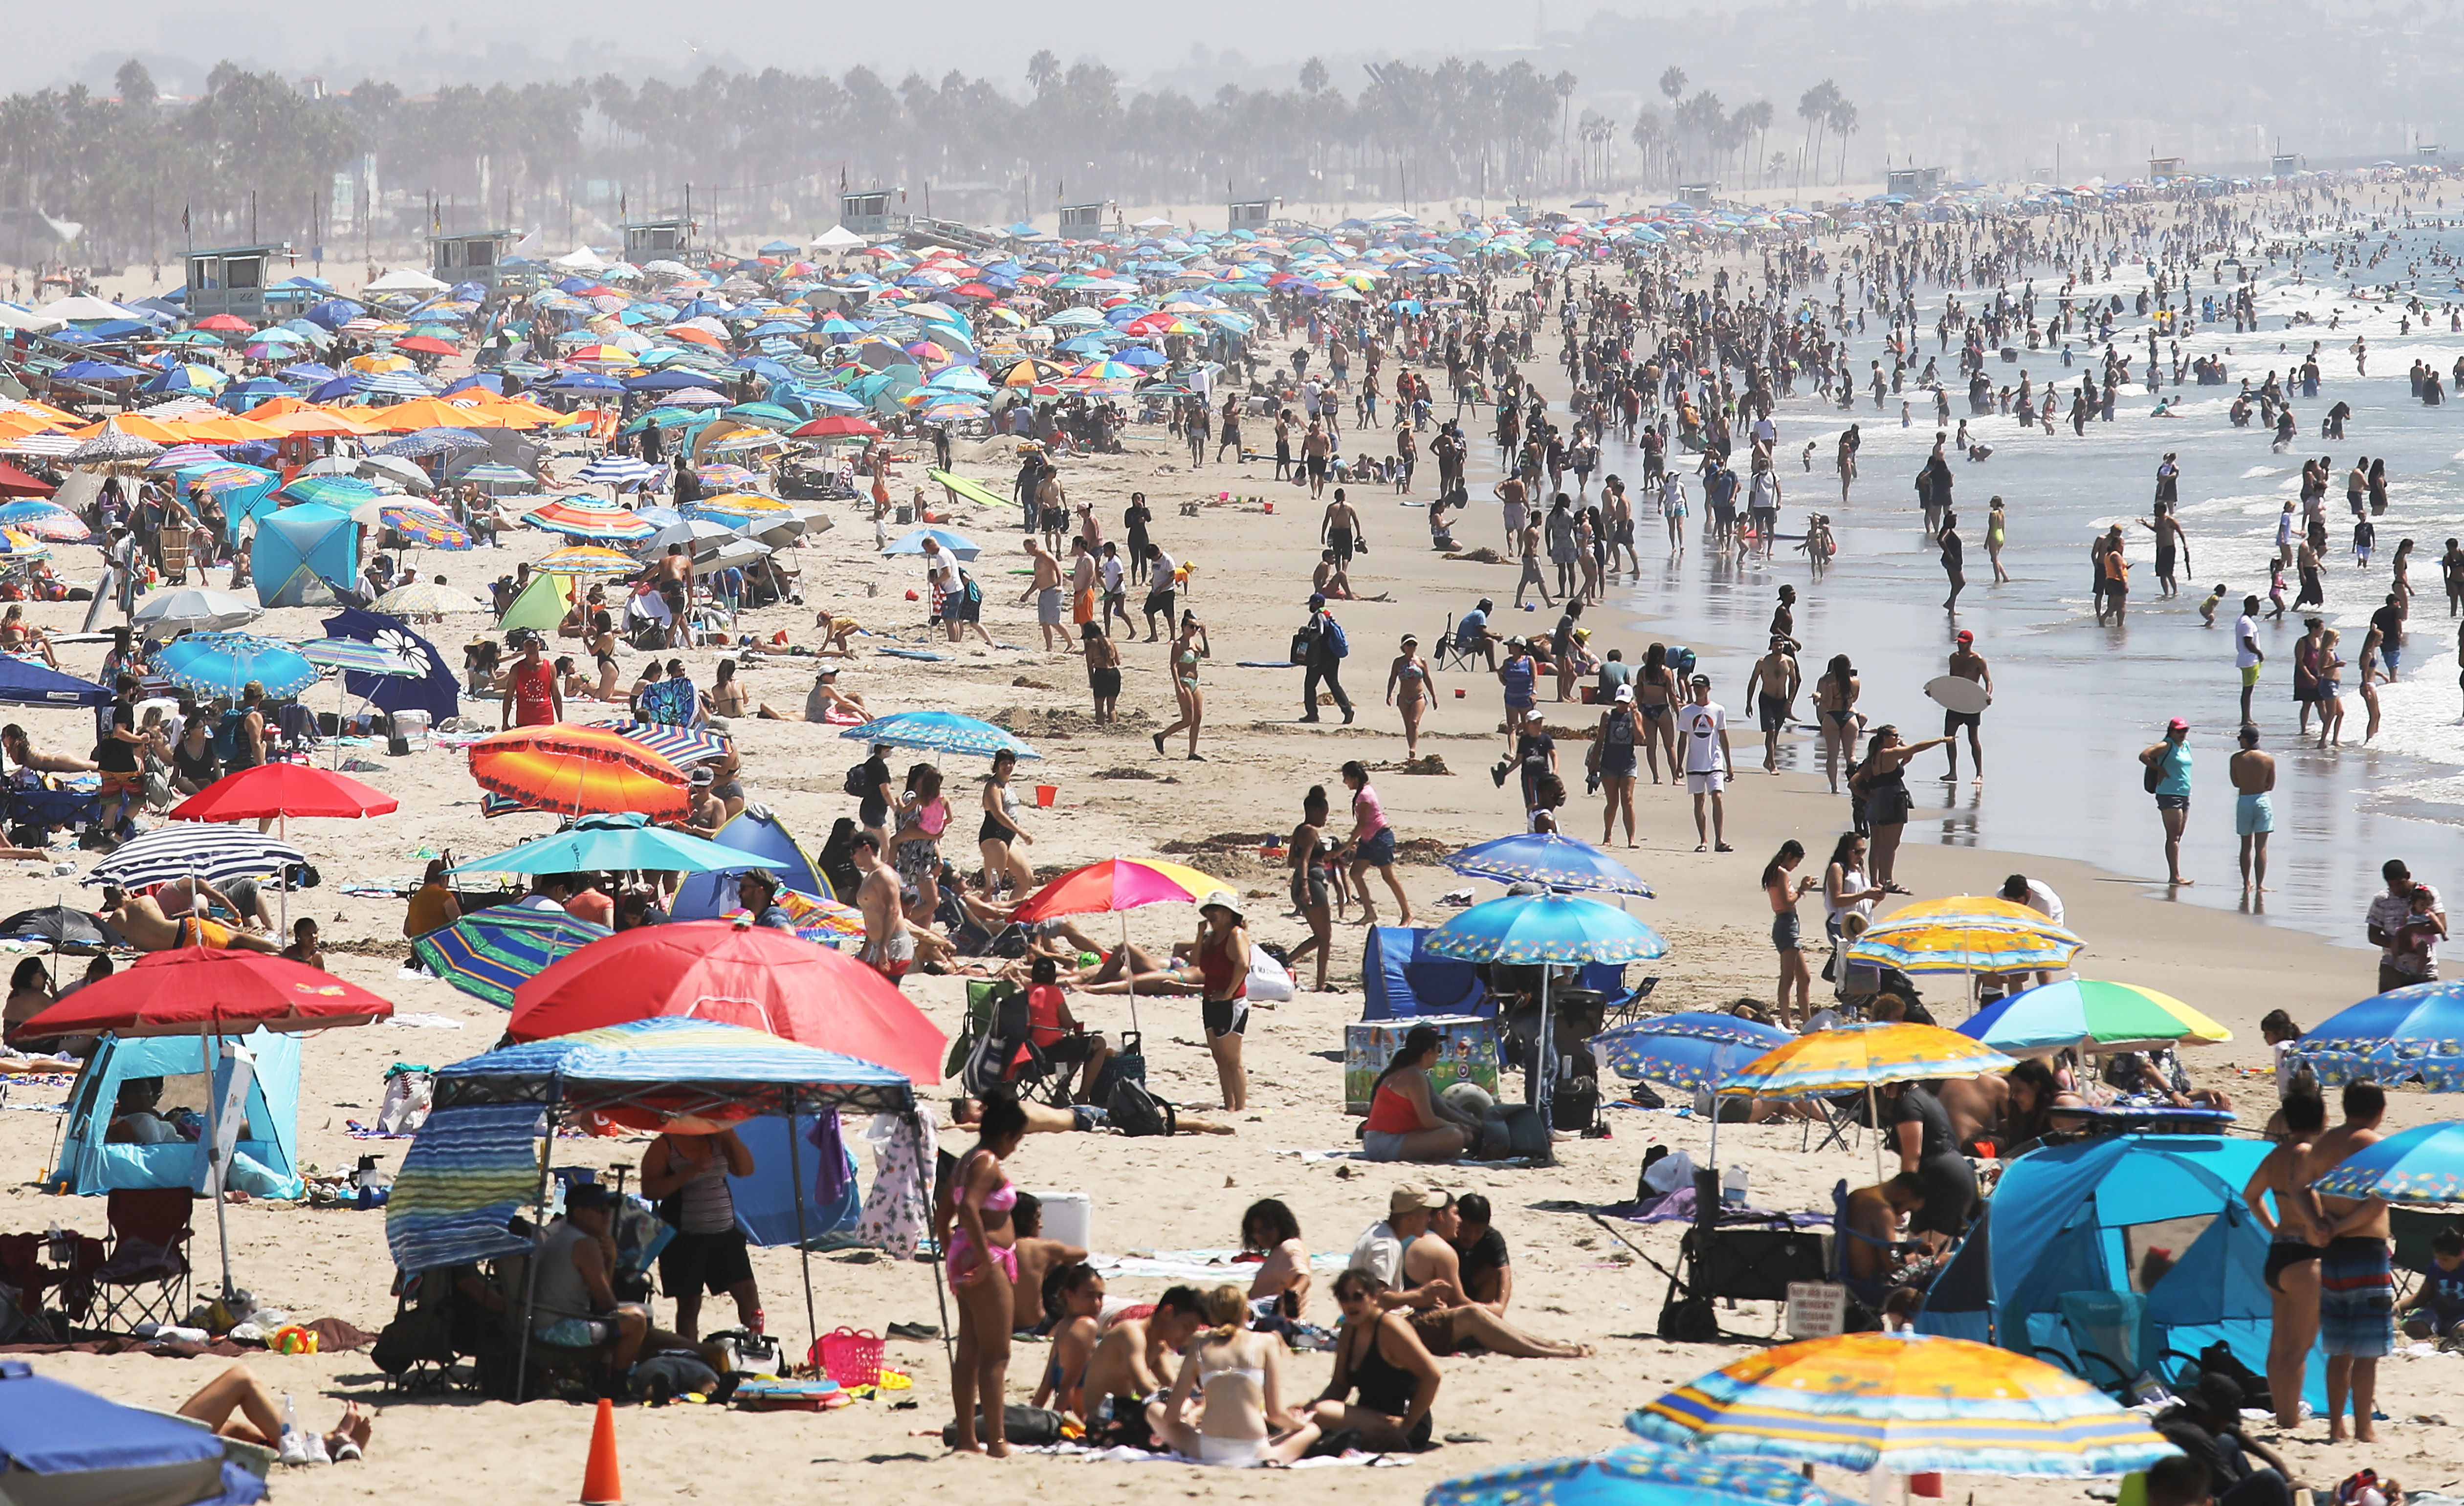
[22,684]
[2135,1243]
[300,551]
[757,834]
[264,1159]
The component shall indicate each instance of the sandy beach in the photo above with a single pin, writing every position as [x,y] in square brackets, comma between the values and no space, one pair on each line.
[1116,797]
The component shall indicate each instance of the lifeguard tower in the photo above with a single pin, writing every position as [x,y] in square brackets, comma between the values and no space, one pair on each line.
[865,212]
[1914,183]
[470,257]
[657,240]
[2168,167]
[1082,222]
[233,280]
[1249,214]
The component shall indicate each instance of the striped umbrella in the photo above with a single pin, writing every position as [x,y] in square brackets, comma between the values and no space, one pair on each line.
[586,560]
[1907,1404]
[1966,933]
[214,853]
[425,526]
[222,663]
[494,952]
[822,922]
[941,731]
[1862,1057]
[45,520]
[588,521]
[678,745]
[2099,1017]
[615,470]
[579,771]
[1635,1475]
[351,653]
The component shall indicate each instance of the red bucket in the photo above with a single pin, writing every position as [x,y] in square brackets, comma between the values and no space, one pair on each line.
[1046,794]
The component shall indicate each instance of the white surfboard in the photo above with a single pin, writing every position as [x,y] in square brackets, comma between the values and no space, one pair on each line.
[1954,694]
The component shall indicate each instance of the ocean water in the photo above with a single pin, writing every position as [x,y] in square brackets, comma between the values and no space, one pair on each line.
[2075,701]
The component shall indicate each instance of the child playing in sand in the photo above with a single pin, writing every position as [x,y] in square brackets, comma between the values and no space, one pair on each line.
[2207,607]
[2436,1313]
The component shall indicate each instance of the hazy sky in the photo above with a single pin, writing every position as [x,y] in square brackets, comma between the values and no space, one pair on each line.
[531,39]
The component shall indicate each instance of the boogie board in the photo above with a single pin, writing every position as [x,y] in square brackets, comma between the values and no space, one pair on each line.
[1954,694]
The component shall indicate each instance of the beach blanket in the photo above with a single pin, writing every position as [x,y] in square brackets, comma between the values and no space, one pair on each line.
[1675,1206]
[1195,1265]
[926,655]
[1351,1459]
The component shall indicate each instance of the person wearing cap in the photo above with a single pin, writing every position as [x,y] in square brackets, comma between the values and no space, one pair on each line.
[574,1305]
[1323,647]
[1773,685]
[2169,771]
[1702,741]
[757,889]
[1621,731]
[1380,1251]
[1967,664]
[1535,756]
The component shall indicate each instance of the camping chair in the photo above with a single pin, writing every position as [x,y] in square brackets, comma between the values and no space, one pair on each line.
[1630,1009]
[505,1371]
[2098,1337]
[144,1274]
[1844,1116]
[1453,653]
[996,1031]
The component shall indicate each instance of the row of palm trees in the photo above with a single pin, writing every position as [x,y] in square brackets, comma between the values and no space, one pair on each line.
[1702,136]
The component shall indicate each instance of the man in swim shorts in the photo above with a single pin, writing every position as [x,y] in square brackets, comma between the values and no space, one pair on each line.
[887,949]
[1774,686]
[2356,1279]
[139,919]
[1968,664]
[2253,776]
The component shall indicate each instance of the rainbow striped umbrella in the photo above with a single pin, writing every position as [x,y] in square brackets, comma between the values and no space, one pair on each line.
[822,922]
[1864,1056]
[586,560]
[589,522]
[1907,1403]
[425,526]
[2088,1012]
[1966,933]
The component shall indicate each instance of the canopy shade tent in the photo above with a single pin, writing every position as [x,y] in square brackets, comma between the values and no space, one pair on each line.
[23,683]
[2067,1233]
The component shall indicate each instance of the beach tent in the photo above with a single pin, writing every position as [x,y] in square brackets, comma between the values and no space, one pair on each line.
[63,1446]
[1397,981]
[264,1162]
[300,552]
[542,604]
[2128,1242]
[756,833]
[22,684]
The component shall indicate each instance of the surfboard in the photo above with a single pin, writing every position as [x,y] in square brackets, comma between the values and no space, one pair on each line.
[959,486]
[1954,694]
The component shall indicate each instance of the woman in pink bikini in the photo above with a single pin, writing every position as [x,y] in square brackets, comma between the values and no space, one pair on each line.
[971,1220]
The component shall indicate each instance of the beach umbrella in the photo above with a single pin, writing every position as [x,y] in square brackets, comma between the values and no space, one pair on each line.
[950,542]
[284,790]
[1117,884]
[1638,1474]
[1965,935]
[2421,1164]
[735,975]
[212,852]
[1865,1056]
[615,470]
[222,663]
[678,745]
[1561,862]
[183,609]
[1689,1050]
[941,731]
[205,993]
[618,843]
[1905,1404]
[2092,1015]
[588,522]
[428,598]
[45,520]
[425,526]
[579,771]
[1544,929]
[2416,1030]
[489,953]
[67,930]
[586,560]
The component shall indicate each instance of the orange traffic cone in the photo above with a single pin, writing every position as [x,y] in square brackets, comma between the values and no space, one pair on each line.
[601,1483]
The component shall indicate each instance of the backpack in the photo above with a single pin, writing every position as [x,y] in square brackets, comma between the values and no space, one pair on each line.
[1336,643]
[1136,1112]
[228,739]
[855,783]
[970,591]
[2153,769]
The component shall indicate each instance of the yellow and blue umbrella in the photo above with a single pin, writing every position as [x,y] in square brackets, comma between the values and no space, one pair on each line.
[1966,934]
[2091,1013]
[586,560]
[1857,1056]
[1637,1474]
[1905,1404]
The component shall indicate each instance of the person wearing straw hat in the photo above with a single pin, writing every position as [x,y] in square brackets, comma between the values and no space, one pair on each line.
[1219,965]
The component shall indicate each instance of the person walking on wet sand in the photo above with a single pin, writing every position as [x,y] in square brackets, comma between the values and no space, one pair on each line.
[2254,778]
[1968,664]
[1954,561]
[2248,657]
[1702,733]
[2169,778]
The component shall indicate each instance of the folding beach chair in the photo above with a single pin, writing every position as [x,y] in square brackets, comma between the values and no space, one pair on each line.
[144,1277]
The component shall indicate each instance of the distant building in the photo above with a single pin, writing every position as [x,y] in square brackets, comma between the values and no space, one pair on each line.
[2426,156]
[233,280]
[866,212]
[657,240]
[1249,214]
[1081,222]
[1697,194]
[470,257]
[2168,166]
[1916,183]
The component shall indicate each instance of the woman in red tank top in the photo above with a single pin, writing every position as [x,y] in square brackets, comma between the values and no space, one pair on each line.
[1222,956]
[1404,1121]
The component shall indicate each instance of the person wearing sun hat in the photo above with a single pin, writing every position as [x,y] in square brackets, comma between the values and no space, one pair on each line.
[1219,965]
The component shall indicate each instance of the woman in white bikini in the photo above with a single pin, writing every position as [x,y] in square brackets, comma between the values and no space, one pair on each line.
[1241,1420]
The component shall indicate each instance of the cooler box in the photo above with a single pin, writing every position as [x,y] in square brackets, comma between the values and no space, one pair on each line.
[1470,1054]
[1069,1217]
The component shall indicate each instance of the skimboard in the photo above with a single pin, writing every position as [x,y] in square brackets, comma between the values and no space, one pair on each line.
[1954,694]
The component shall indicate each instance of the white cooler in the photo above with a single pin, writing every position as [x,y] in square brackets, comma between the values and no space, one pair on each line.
[1067,1217]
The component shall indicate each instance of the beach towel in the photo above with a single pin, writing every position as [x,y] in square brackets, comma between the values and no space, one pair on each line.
[1196,1265]
[1351,1459]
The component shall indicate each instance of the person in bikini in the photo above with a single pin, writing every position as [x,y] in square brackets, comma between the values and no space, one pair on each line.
[2286,1208]
[259,1420]
[971,1223]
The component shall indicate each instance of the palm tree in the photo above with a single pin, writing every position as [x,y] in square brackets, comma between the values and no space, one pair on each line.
[1313,78]
[1043,70]
[1843,120]
[1813,107]
[1672,83]
[1564,84]
[1647,136]
[1756,119]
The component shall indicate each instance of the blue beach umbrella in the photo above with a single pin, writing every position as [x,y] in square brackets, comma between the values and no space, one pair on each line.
[1689,1050]
[1560,862]
[222,663]
[953,543]
[2421,1164]
[618,843]
[490,954]
[941,731]
[2414,1031]
[1637,1475]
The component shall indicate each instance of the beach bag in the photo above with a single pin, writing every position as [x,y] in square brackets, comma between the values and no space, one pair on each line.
[1023,1426]
[2152,772]
[226,734]
[1137,1113]
[1302,643]
[855,783]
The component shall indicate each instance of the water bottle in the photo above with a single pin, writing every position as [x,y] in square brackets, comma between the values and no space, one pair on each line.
[1732,1184]
[290,1415]
[62,1246]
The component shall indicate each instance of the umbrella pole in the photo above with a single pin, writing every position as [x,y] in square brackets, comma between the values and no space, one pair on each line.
[1544,1061]
[1129,974]
[1873,1122]
[281,876]
[940,1287]
[529,1280]
[804,1238]
[214,1155]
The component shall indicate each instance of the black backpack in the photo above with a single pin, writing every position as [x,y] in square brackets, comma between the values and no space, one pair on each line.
[855,783]
[1136,1112]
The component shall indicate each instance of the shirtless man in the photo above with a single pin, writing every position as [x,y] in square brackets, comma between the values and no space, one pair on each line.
[1976,1105]
[1773,685]
[1340,530]
[137,917]
[2291,1224]
[1037,1259]
[2253,776]
[1132,1356]
[1876,1213]
[1451,1320]
[2355,1283]
[1968,664]
[1044,590]
[887,949]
